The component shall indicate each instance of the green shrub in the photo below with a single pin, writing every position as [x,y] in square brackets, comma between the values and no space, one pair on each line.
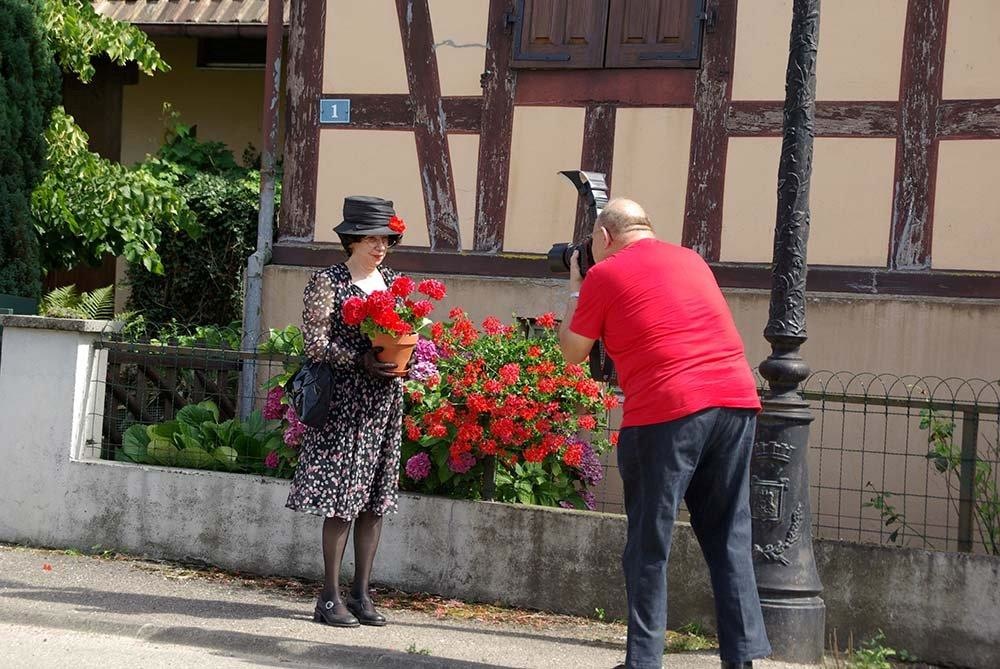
[29,90]
[203,280]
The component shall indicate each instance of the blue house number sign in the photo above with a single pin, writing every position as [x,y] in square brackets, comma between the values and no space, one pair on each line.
[334,111]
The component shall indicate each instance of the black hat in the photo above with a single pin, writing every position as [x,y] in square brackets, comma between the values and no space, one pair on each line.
[370,216]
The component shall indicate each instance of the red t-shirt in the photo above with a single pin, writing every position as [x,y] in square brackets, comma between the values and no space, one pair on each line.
[668,329]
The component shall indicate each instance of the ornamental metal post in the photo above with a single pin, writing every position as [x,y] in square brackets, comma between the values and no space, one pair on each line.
[787,580]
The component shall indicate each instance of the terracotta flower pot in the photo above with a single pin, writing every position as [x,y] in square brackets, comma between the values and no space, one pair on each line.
[395,349]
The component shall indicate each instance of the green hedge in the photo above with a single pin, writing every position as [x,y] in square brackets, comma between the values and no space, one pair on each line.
[29,89]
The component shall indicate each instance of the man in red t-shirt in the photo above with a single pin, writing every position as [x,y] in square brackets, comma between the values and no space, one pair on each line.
[688,426]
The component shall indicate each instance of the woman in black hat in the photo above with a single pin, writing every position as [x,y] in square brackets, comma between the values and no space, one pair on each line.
[348,470]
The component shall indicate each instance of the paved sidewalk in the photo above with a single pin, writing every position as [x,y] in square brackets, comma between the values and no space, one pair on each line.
[60,610]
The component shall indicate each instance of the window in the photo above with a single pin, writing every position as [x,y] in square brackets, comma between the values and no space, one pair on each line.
[242,53]
[608,33]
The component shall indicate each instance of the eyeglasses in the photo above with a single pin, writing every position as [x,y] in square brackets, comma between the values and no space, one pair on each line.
[376,241]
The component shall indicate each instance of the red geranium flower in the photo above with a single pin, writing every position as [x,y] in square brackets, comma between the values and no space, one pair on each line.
[588,422]
[432,288]
[547,320]
[510,373]
[493,326]
[533,351]
[354,310]
[422,308]
[402,286]
[397,225]
[574,454]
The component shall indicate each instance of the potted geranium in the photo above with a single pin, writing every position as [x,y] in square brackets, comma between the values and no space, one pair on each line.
[392,320]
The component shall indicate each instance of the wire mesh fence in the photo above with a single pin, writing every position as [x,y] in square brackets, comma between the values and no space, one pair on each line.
[193,398]
[898,460]
[906,460]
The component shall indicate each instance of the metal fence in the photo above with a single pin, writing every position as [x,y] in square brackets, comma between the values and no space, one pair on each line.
[908,461]
[176,383]
[899,460]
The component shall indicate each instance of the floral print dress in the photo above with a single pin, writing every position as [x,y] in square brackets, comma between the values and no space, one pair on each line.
[351,464]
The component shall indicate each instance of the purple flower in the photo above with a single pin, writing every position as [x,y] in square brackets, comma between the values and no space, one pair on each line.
[271,461]
[566,505]
[418,467]
[589,499]
[591,471]
[463,463]
[426,351]
[272,406]
[422,371]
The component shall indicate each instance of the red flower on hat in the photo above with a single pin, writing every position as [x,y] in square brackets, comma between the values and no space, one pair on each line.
[397,225]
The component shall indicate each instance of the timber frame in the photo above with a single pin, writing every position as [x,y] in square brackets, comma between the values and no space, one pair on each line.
[919,121]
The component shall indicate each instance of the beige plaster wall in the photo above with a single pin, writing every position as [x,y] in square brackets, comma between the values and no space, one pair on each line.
[651,157]
[363,51]
[459,28]
[541,204]
[750,202]
[464,151]
[923,336]
[967,206]
[369,162]
[851,200]
[860,49]
[226,105]
[972,50]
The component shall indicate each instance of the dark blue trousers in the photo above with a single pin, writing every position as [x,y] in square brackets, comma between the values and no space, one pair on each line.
[706,458]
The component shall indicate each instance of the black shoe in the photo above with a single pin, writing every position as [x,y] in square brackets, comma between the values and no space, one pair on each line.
[737,665]
[365,611]
[326,613]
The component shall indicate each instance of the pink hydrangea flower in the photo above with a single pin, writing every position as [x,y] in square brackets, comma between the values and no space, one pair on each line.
[296,428]
[418,467]
[463,463]
[271,461]
[272,406]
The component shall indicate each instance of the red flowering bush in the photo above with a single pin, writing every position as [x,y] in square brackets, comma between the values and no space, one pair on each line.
[393,311]
[495,395]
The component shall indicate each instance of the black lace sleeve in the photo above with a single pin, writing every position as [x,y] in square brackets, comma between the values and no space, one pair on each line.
[320,301]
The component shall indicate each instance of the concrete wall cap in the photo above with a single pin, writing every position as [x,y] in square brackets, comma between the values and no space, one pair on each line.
[64,324]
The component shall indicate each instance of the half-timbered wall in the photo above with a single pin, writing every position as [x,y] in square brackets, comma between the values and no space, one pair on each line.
[467,143]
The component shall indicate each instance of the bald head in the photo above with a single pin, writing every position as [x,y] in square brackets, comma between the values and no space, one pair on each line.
[622,216]
[622,222]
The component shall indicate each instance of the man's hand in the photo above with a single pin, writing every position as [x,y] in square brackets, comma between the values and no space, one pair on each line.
[376,368]
[575,278]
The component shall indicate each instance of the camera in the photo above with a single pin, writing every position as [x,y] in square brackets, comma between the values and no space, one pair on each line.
[593,187]
[561,255]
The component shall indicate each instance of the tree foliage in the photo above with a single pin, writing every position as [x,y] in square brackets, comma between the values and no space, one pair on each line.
[29,89]
[87,207]
[78,34]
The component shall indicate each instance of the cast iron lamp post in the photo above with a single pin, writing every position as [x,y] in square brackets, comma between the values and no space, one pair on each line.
[787,580]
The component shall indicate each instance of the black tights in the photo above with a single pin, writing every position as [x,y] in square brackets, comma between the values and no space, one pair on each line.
[367,530]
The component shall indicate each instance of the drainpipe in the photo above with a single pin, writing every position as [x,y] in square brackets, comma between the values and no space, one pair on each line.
[252,299]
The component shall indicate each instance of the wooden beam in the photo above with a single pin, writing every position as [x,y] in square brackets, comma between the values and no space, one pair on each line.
[969,119]
[496,130]
[833,119]
[597,156]
[430,129]
[822,278]
[709,137]
[304,87]
[917,145]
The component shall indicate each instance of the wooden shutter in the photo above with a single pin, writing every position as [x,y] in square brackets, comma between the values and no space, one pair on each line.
[560,33]
[654,33]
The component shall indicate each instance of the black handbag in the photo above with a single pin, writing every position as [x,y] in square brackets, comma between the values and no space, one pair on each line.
[311,391]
